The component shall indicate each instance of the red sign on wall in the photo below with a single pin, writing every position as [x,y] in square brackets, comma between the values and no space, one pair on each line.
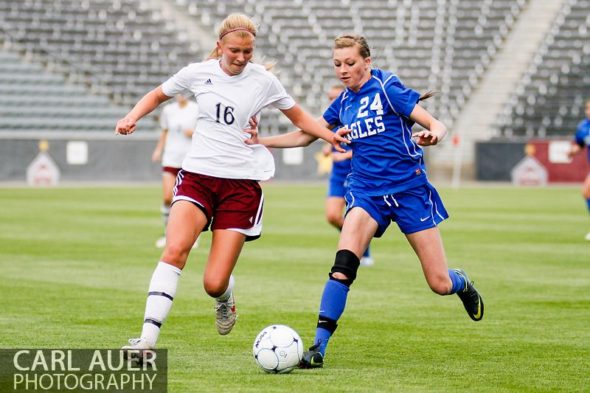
[552,154]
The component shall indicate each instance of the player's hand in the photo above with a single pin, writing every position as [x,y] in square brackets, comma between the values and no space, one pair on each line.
[253,131]
[188,132]
[125,126]
[338,157]
[327,150]
[426,138]
[339,138]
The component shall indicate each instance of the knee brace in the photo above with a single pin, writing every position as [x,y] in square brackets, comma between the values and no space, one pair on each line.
[346,263]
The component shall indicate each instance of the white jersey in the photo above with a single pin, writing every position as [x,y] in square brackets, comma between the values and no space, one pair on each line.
[226,103]
[177,120]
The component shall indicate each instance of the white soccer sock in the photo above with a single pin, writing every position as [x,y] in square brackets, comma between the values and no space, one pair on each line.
[227,293]
[159,302]
[165,210]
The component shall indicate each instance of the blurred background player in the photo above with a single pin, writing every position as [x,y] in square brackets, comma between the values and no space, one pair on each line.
[335,203]
[581,141]
[178,121]
[218,186]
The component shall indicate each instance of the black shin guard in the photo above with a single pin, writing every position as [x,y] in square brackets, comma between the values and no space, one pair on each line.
[327,323]
[347,263]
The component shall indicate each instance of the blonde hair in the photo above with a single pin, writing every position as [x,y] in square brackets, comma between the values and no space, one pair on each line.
[234,23]
[351,40]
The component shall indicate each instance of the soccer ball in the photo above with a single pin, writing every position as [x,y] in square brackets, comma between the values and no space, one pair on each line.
[277,349]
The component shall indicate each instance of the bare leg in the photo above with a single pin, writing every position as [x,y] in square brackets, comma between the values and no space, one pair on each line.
[226,246]
[429,248]
[218,280]
[358,230]
[168,181]
[335,211]
[186,222]
[185,225]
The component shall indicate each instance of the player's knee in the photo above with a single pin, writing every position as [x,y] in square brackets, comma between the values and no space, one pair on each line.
[440,284]
[175,254]
[586,193]
[214,287]
[345,267]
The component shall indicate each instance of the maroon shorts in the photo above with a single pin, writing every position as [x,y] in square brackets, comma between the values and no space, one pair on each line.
[173,171]
[227,203]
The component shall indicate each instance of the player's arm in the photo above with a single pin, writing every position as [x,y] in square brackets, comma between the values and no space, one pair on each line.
[575,149]
[291,139]
[317,129]
[297,138]
[434,130]
[145,105]
[157,154]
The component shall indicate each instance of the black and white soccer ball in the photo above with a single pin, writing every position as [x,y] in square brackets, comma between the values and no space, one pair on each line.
[277,349]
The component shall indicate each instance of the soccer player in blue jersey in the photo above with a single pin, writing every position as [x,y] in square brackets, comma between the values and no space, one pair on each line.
[582,140]
[388,183]
[341,167]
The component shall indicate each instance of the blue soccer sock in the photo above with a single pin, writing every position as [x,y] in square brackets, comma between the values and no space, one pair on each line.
[457,280]
[367,252]
[331,308]
[588,203]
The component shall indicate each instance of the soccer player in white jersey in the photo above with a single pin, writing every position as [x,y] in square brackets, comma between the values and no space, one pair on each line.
[218,186]
[178,121]
[387,183]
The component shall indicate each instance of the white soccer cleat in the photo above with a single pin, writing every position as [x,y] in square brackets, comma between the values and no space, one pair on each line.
[161,242]
[138,349]
[587,236]
[367,261]
[225,315]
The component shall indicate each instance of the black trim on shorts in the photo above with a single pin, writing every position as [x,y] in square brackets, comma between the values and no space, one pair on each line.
[201,208]
[251,238]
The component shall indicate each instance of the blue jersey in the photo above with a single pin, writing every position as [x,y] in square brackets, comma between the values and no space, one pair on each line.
[582,137]
[385,158]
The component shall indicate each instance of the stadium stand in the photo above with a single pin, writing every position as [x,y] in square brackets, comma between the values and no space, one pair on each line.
[549,101]
[435,45]
[122,48]
[120,45]
[33,99]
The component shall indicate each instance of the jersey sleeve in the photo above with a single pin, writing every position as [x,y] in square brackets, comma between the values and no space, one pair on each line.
[402,99]
[179,83]
[277,96]
[332,114]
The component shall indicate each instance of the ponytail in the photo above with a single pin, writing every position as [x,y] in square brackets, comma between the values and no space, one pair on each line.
[427,95]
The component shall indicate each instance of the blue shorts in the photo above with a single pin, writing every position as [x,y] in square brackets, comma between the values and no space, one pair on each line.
[413,210]
[337,186]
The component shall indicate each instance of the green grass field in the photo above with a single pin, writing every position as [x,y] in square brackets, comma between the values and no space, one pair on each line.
[75,264]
